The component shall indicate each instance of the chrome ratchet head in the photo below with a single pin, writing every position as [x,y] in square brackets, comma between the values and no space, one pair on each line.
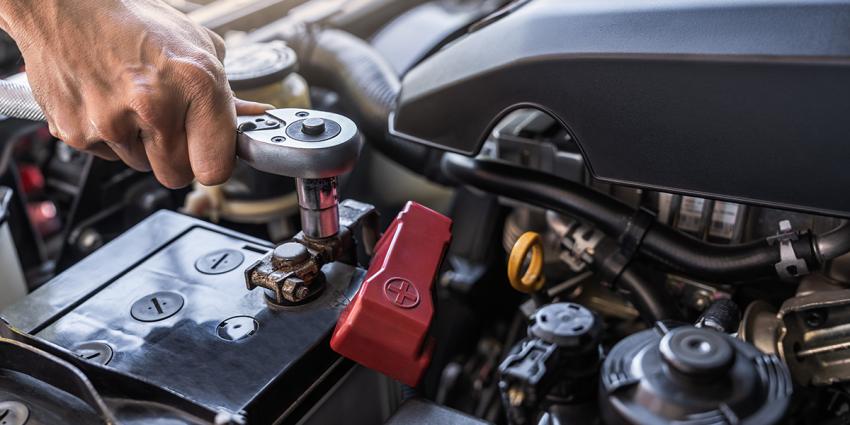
[299,143]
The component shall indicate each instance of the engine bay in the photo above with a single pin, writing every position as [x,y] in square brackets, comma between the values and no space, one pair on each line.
[459,212]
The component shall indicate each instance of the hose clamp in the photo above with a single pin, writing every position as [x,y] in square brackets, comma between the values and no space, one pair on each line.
[636,229]
[628,244]
[581,247]
[789,266]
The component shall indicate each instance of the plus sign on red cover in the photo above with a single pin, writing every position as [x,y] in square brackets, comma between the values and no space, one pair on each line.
[385,327]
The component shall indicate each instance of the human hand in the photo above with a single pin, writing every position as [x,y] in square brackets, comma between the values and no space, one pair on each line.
[131,80]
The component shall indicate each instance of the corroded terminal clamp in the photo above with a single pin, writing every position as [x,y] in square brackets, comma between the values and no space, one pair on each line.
[290,274]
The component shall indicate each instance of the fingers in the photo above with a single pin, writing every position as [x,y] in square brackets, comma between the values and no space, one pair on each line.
[218,44]
[102,151]
[211,134]
[170,155]
[159,115]
[131,153]
[155,138]
[166,106]
[66,127]
[178,134]
[114,133]
[244,107]
[169,158]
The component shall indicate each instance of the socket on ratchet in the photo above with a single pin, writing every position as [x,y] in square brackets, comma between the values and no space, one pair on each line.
[314,147]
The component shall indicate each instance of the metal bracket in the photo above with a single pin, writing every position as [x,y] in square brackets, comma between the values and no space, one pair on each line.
[789,266]
[581,246]
[363,220]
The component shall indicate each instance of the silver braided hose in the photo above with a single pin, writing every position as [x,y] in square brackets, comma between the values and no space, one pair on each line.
[17,101]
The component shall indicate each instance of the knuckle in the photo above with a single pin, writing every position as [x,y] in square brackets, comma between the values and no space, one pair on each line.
[106,129]
[141,100]
[51,128]
[146,105]
[217,41]
[212,176]
[73,138]
[202,70]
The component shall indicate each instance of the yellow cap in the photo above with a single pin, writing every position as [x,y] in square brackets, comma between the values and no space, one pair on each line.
[532,280]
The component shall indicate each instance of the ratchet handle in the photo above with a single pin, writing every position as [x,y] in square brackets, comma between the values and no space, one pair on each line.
[289,142]
[17,101]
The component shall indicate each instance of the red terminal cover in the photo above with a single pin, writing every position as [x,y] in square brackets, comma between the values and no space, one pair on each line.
[385,327]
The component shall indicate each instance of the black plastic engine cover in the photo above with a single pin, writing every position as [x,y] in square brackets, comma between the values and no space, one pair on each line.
[744,100]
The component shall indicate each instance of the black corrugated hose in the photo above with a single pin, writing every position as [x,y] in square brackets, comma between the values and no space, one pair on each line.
[683,253]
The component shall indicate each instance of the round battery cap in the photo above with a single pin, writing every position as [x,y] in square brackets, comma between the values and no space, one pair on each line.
[255,65]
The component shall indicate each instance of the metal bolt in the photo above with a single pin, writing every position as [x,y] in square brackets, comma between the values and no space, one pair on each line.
[701,300]
[302,114]
[278,139]
[815,318]
[290,253]
[313,126]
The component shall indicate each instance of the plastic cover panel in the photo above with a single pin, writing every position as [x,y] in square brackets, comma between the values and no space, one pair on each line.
[744,100]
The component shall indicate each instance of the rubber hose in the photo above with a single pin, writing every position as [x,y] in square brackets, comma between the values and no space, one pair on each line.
[648,300]
[728,263]
[709,261]
[834,243]
[349,66]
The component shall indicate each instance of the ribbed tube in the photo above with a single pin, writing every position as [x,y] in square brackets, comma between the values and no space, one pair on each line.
[17,101]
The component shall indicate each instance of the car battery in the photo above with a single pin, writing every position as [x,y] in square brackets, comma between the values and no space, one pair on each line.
[165,306]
